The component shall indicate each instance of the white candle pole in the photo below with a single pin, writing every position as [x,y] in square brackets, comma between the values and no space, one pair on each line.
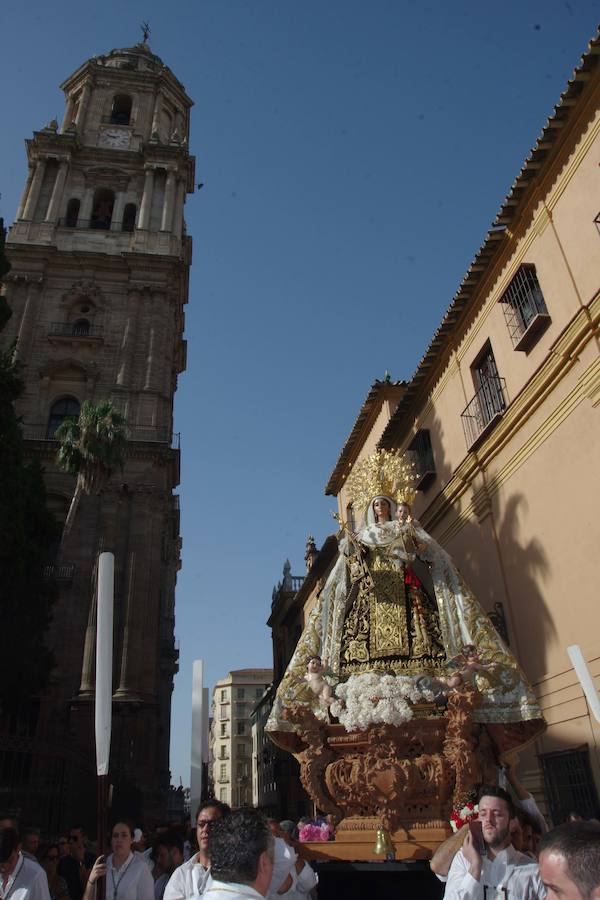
[104,652]
[585,679]
[104,691]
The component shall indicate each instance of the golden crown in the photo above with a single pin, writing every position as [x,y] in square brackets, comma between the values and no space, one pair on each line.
[385,472]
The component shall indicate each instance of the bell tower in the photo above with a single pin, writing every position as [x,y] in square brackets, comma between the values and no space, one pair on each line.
[99,280]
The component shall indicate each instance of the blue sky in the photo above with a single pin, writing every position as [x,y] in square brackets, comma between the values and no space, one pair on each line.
[353,156]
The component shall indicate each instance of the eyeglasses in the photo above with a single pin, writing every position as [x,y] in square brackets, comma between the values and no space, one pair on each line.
[205,823]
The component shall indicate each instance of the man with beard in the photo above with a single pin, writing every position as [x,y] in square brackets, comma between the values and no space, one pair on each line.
[487,862]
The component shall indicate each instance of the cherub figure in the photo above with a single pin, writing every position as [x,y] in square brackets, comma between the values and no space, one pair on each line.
[469,665]
[315,671]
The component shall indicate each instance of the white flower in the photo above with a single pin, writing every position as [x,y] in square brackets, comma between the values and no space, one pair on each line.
[372,699]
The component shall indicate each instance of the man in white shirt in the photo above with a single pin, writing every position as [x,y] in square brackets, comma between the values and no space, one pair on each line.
[241,855]
[20,878]
[495,864]
[189,880]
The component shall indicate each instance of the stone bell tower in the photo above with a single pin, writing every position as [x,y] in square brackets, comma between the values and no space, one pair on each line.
[100,267]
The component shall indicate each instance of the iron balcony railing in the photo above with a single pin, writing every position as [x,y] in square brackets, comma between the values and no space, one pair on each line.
[60,573]
[150,434]
[524,305]
[96,224]
[486,406]
[73,329]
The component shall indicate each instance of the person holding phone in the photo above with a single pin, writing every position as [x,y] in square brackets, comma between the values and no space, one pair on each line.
[487,863]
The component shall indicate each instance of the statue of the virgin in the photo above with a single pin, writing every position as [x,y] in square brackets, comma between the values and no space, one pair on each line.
[395,605]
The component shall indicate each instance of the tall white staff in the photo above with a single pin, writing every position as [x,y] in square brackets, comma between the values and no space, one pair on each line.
[104,685]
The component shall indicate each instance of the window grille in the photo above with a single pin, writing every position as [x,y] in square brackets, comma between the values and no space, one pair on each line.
[525,310]
[569,784]
[421,452]
[490,400]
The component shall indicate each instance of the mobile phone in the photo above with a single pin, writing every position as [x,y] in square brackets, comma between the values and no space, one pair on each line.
[476,829]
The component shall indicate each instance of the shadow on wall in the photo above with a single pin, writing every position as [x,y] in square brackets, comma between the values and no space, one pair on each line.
[521,557]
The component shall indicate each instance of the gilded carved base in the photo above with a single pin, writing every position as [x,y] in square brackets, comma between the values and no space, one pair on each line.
[407,777]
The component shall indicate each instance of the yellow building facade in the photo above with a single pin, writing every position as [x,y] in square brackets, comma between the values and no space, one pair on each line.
[502,417]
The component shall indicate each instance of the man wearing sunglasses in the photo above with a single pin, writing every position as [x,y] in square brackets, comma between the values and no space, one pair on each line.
[189,879]
[76,867]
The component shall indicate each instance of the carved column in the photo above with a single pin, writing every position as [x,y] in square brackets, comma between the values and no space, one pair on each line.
[68,117]
[28,318]
[83,106]
[85,210]
[178,214]
[156,113]
[143,589]
[34,192]
[155,337]
[168,203]
[146,204]
[25,193]
[116,223]
[57,192]
[127,354]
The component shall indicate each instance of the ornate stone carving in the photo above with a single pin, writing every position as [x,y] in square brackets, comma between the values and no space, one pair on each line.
[405,776]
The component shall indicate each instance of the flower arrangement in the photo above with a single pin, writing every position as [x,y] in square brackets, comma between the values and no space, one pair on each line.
[313,832]
[460,817]
[371,699]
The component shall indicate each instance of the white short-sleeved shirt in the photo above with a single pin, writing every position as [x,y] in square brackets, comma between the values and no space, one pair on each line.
[509,869]
[133,881]
[188,880]
[27,881]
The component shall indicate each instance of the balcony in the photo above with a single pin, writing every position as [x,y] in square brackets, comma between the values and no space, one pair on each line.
[74,334]
[74,329]
[484,410]
[151,434]
[63,574]
[97,224]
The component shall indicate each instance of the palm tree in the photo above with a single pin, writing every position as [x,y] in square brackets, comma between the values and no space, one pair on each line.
[92,448]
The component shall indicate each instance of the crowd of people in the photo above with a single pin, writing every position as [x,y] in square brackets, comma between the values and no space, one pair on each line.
[507,851]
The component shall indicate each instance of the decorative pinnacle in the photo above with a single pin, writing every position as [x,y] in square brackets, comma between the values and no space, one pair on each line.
[145,31]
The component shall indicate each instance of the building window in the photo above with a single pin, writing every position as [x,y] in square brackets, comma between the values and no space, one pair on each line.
[241,769]
[421,452]
[67,408]
[241,693]
[223,795]
[570,784]
[350,521]
[72,213]
[524,308]
[241,749]
[223,751]
[120,113]
[258,693]
[240,709]
[222,771]
[102,210]
[241,728]
[223,729]
[489,401]
[223,696]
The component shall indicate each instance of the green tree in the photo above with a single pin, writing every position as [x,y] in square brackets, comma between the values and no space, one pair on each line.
[92,448]
[28,533]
